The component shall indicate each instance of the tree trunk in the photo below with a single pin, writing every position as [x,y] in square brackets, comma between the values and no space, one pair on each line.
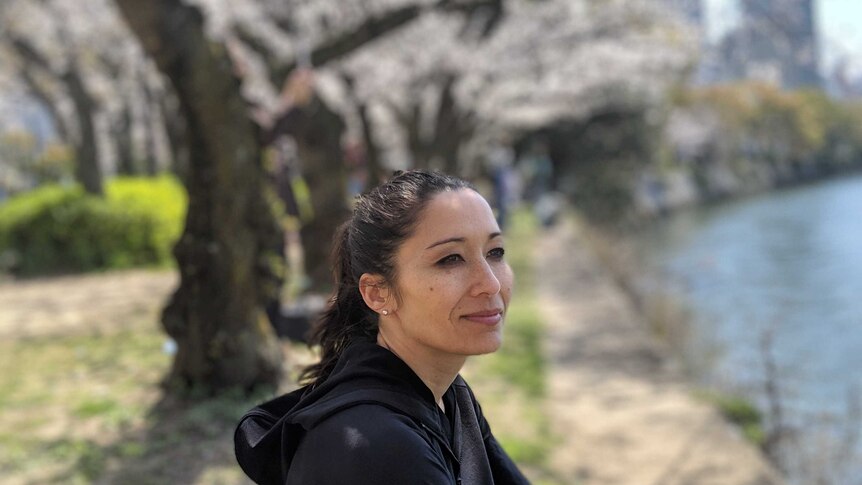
[322,166]
[151,118]
[177,135]
[373,164]
[451,128]
[226,265]
[317,131]
[87,169]
[411,120]
[376,173]
[125,146]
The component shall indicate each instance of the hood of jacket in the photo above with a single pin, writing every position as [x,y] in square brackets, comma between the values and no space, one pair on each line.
[267,436]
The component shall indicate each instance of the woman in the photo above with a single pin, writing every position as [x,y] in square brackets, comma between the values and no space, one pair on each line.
[421,285]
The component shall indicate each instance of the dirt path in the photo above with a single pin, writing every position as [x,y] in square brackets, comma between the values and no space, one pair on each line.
[70,304]
[628,416]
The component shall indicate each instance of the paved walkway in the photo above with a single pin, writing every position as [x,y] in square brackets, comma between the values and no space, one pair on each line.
[629,419]
[83,303]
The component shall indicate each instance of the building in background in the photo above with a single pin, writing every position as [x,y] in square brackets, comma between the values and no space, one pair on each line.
[781,42]
[690,10]
[775,41]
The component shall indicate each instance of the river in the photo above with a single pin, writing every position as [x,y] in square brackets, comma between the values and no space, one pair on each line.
[786,264]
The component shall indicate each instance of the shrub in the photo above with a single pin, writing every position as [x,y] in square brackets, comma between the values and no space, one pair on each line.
[59,229]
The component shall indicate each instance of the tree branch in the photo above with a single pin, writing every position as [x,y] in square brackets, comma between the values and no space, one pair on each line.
[28,53]
[368,31]
[372,29]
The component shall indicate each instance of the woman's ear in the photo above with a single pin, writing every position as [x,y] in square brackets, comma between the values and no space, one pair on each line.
[375,292]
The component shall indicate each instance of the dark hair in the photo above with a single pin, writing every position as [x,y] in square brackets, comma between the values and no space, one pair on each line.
[382,219]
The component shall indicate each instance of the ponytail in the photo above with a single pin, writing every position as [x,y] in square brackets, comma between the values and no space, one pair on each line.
[346,318]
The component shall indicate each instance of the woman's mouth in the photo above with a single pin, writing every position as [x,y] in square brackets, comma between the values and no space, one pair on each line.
[487,317]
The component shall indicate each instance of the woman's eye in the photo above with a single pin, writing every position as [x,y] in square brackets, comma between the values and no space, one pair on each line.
[451,259]
[496,253]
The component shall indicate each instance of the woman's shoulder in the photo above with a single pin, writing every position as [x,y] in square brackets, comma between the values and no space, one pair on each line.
[366,424]
[361,441]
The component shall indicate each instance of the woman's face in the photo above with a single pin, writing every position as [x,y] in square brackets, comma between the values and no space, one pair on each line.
[452,282]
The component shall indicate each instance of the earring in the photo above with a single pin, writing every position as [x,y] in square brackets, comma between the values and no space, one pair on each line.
[385,312]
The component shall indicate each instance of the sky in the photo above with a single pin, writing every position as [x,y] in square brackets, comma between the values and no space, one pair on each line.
[839,23]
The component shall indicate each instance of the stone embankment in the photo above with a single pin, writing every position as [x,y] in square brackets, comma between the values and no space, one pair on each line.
[623,413]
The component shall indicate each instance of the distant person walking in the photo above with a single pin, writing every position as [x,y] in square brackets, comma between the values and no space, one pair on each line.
[538,173]
[500,168]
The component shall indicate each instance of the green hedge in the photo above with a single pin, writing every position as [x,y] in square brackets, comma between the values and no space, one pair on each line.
[58,229]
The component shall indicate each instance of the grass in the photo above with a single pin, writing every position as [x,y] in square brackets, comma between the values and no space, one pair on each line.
[88,408]
[520,361]
[739,411]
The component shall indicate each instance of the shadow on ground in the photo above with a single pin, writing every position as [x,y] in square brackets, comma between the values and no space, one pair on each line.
[185,442]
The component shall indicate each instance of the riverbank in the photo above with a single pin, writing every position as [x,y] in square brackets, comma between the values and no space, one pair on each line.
[657,195]
[620,405]
[771,286]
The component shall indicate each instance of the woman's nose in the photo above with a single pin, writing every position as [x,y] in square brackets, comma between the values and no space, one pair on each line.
[486,280]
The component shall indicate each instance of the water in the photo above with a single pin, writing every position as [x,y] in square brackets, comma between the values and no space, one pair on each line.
[789,263]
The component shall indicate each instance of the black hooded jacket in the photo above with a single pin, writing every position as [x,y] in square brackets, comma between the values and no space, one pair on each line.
[373,421]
